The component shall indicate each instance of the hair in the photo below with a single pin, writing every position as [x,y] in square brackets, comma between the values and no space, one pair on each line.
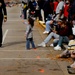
[31,21]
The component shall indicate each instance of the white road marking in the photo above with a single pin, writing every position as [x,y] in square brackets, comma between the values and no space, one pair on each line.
[21,58]
[37,50]
[17,20]
[4,36]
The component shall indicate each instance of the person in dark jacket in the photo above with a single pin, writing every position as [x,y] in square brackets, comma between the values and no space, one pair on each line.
[3,15]
[47,9]
[25,7]
[38,9]
[32,7]
[63,35]
[71,10]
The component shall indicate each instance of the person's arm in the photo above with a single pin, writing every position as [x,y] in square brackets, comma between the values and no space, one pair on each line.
[61,9]
[4,10]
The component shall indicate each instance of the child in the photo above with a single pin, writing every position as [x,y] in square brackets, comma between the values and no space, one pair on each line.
[29,34]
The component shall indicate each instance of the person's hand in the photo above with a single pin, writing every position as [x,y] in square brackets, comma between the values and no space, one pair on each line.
[51,22]
[5,20]
[54,31]
[25,34]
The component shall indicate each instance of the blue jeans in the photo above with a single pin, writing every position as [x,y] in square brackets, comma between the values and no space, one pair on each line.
[28,41]
[49,37]
[48,27]
[62,39]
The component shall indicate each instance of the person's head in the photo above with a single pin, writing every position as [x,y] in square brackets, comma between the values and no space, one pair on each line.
[59,22]
[67,2]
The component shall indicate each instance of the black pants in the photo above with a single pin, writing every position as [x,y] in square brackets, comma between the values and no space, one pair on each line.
[24,11]
[45,15]
[1,21]
[38,14]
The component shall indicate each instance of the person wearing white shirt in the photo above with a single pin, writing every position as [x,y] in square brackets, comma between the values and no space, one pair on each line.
[60,6]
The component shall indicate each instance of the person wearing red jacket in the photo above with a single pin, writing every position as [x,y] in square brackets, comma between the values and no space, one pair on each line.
[66,8]
[55,3]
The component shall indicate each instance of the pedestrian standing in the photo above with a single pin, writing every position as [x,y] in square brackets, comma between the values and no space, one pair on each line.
[25,7]
[47,9]
[71,10]
[3,15]
[29,34]
[66,9]
[38,10]
[60,7]
[32,7]
[55,3]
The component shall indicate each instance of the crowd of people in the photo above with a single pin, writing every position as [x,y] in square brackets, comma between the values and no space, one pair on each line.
[59,18]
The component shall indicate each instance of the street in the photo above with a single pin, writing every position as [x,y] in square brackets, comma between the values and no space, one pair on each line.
[16,60]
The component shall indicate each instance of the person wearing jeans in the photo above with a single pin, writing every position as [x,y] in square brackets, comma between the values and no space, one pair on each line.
[30,40]
[29,34]
[51,22]
[49,37]
[48,26]
[63,34]
[64,39]
[58,42]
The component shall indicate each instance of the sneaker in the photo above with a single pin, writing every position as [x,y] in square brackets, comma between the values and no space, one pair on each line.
[42,44]
[57,47]
[45,32]
[51,45]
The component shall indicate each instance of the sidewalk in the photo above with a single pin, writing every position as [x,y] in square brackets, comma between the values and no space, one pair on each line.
[16,60]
